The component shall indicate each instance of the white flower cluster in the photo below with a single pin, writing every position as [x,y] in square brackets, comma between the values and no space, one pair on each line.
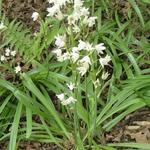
[66,101]
[80,54]
[70,99]
[9,55]
[55,8]
[80,14]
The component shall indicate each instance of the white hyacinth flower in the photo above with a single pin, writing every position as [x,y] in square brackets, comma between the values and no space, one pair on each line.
[2,58]
[68,101]
[57,51]
[52,11]
[84,11]
[105,75]
[35,16]
[13,53]
[61,97]
[2,26]
[60,41]
[74,56]
[66,56]
[83,69]
[86,59]
[104,61]
[84,65]
[7,52]
[90,21]
[100,47]
[81,45]
[17,69]
[71,86]
[77,4]
[75,49]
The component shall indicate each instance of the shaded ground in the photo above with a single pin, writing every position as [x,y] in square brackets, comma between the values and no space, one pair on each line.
[134,128]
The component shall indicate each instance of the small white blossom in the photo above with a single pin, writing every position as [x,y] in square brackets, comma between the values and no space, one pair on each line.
[83,68]
[75,49]
[7,52]
[66,56]
[84,11]
[57,51]
[68,101]
[100,47]
[17,69]
[86,59]
[104,61]
[90,21]
[84,65]
[63,57]
[60,41]
[78,4]
[105,75]
[2,26]
[52,11]
[13,53]
[60,58]
[71,86]
[3,58]
[61,97]
[74,56]
[35,16]
[81,45]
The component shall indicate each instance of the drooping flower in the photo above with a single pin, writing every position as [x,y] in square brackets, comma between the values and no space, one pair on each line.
[68,101]
[77,5]
[2,26]
[13,53]
[60,41]
[57,51]
[104,61]
[75,50]
[90,21]
[2,58]
[81,45]
[52,11]
[71,86]
[86,59]
[100,47]
[74,56]
[84,65]
[83,68]
[35,16]
[66,56]
[17,69]
[84,11]
[65,101]
[105,75]
[61,96]
[7,52]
